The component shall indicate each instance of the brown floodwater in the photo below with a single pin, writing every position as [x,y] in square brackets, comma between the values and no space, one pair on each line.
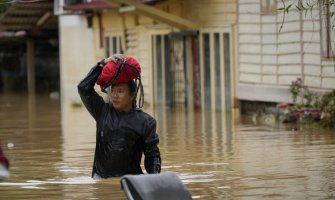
[51,145]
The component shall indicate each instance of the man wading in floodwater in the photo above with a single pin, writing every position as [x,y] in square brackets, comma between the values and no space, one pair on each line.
[123,131]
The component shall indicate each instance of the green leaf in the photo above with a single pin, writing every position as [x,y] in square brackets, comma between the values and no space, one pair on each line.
[288,8]
[302,5]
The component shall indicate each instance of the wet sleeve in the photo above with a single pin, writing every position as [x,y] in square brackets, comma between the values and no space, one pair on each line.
[152,160]
[90,98]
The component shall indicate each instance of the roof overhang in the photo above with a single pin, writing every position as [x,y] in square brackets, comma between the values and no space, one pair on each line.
[158,15]
[32,19]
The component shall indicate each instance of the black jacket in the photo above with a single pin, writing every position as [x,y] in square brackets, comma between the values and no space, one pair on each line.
[121,137]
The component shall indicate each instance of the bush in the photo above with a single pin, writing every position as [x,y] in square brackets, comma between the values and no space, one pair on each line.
[327,106]
[308,107]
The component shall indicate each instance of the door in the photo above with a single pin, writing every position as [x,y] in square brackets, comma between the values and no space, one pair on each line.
[176,69]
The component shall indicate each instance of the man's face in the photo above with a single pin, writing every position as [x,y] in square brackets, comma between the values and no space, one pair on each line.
[121,98]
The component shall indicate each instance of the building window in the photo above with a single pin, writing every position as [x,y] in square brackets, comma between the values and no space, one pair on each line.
[326,30]
[268,7]
[113,45]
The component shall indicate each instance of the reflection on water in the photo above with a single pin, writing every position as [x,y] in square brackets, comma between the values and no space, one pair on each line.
[51,151]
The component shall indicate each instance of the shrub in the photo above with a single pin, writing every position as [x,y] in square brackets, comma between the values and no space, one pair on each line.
[308,107]
[327,105]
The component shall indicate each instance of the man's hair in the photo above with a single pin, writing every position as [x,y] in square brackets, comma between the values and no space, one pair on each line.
[132,87]
[133,90]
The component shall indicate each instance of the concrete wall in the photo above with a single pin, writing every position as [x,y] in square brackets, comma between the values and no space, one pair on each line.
[77,54]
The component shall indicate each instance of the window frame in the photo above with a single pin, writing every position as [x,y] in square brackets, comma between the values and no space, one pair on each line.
[111,47]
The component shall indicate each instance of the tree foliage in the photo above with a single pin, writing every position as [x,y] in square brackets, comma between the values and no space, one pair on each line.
[4,5]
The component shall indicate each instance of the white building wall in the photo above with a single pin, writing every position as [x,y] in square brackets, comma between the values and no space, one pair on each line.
[269,59]
[76,56]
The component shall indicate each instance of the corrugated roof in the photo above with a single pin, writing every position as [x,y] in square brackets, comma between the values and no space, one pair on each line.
[32,17]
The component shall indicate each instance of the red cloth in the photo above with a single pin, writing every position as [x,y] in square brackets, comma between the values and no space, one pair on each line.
[3,159]
[130,70]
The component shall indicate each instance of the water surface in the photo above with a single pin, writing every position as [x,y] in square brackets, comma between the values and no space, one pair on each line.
[51,149]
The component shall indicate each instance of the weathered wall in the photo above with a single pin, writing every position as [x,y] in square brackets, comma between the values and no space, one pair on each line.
[77,54]
[270,60]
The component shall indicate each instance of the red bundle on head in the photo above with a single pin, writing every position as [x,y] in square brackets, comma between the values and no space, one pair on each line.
[119,69]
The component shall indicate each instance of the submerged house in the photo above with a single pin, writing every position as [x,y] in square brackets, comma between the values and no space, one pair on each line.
[200,54]
[270,57]
[185,48]
[209,54]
